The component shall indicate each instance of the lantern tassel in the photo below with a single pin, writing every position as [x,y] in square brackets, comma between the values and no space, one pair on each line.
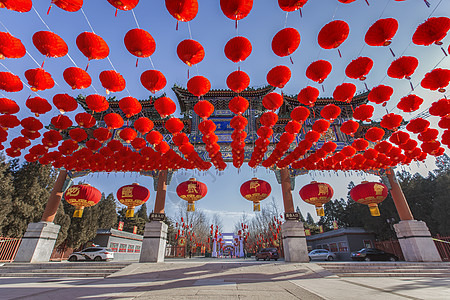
[374,211]
[301,14]
[236,24]
[339,51]
[392,51]
[443,50]
[191,207]
[50,7]
[412,87]
[320,211]
[87,66]
[188,73]
[427,3]
[367,1]
[176,28]
[323,88]
[256,206]
[292,62]
[116,13]
[365,84]
[137,60]
[130,212]
[78,213]
[42,65]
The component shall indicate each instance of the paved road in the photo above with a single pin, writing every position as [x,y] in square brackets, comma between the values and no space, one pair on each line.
[224,279]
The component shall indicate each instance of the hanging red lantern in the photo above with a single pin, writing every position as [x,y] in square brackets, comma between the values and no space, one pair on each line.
[102,134]
[429,134]
[77,78]
[139,42]
[17,5]
[359,68]
[182,10]
[363,112]
[127,134]
[93,145]
[333,34]
[154,137]
[410,103]
[124,4]
[143,125]
[207,126]
[30,123]
[308,96]
[92,46]
[312,136]
[292,127]
[374,134]
[431,31]
[391,121]
[291,5]
[321,125]
[10,46]
[81,196]
[97,103]
[138,143]
[236,9]
[112,81]
[381,32]
[371,194]
[153,80]
[417,125]
[67,5]
[399,138]
[344,92]
[330,112]
[255,190]
[238,49]
[278,76]
[360,144]
[61,122]
[239,122]
[64,102]
[50,44]
[38,105]
[85,120]
[238,81]
[190,52]
[8,106]
[198,86]
[403,67]
[191,191]
[10,82]
[440,108]
[300,114]
[174,125]
[238,105]
[380,94]
[113,120]
[272,101]
[131,196]
[78,134]
[285,42]
[317,193]
[319,70]
[438,79]
[203,109]
[165,107]
[130,106]
[39,79]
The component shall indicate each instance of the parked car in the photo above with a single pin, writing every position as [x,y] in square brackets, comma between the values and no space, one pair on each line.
[321,254]
[369,254]
[92,253]
[267,254]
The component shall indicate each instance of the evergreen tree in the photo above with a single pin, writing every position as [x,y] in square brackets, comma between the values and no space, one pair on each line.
[302,219]
[309,219]
[129,223]
[6,192]
[142,212]
[107,212]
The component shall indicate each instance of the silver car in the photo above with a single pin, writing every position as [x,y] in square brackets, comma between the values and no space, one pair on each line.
[321,254]
[92,254]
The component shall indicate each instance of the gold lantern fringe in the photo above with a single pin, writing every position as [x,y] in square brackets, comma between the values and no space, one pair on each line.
[130,212]
[78,213]
[374,211]
[256,206]
[191,207]
[320,211]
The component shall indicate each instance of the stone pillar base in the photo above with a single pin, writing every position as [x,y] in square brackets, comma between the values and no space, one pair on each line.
[154,243]
[294,242]
[38,242]
[416,242]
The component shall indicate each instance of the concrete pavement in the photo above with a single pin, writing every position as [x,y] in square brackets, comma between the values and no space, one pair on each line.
[224,279]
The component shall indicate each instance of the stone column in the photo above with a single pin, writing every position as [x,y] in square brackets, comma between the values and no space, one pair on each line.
[214,252]
[241,247]
[39,239]
[294,240]
[155,232]
[414,237]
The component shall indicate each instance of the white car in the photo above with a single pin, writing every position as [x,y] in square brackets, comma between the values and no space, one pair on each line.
[321,254]
[92,254]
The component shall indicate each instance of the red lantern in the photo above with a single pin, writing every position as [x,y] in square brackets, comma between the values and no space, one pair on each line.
[239,122]
[440,108]
[285,42]
[238,81]
[190,52]
[81,196]
[143,125]
[154,137]
[255,190]
[78,134]
[112,81]
[431,31]
[333,34]
[391,121]
[359,68]
[130,106]
[102,134]
[238,49]
[380,94]
[97,103]
[113,120]
[67,5]
[203,109]
[38,105]
[417,125]
[238,105]
[165,107]
[363,112]
[312,136]
[317,193]
[93,145]
[17,5]
[191,191]
[278,76]
[360,144]
[61,122]
[30,123]
[64,102]
[344,92]
[50,44]
[8,106]
[92,46]
[39,79]
[153,80]
[131,196]
[10,46]
[139,42]
[381,32]
[321,125]
[10,82]
[128,135]
[330,112]
[77,78]
[124,4]
[403,67]
[291,5]
[272,101]
[207,126]
[319,70]
[236,9]
[374,134]
[182,10]
[410,103]
[370,193]
[85,120]
[174,125]
[300,114]
[308,95]
[198,86]
[437,79]
[399,138]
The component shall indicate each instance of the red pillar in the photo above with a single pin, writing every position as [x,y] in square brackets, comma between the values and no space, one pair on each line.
[160,201]
[55,198]
[399,198]
[286,189]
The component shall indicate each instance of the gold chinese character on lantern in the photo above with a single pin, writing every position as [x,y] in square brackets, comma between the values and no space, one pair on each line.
[254,185]
[73,191]
[378,188]
[192,188]
[323,189]
[127,192]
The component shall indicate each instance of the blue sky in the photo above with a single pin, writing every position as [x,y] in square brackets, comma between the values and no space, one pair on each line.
[212,29]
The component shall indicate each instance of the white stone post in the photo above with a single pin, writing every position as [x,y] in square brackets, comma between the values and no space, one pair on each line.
[154,242]
[294,242]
